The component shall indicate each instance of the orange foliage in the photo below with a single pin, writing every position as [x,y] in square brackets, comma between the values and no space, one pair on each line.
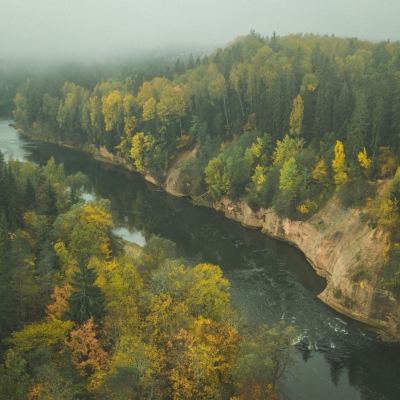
[60,305]
[86,351]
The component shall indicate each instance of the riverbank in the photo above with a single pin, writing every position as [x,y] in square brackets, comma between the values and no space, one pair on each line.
[339,246]
[345,251]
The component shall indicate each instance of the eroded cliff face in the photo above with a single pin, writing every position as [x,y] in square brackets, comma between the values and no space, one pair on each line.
[341,248]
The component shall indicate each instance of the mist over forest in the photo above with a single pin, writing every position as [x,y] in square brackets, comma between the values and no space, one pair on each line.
[96,30]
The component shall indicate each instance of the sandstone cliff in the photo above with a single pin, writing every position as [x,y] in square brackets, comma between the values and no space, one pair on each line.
[341,248]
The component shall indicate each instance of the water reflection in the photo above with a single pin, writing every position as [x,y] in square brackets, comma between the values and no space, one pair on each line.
[132,236]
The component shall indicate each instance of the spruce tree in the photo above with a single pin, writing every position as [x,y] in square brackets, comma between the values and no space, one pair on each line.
[87,299]
[29,198]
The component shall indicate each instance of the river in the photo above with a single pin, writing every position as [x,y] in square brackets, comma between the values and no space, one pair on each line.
[338,358]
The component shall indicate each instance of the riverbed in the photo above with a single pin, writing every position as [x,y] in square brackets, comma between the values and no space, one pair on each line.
[271,281]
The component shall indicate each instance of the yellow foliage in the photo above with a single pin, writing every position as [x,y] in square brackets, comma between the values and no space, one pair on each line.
[307,206]
[68,264]
[201,361]
[130,352]
[286,148]
[387,161]
[363,159]
[50,334]
[31,219]
[90,231]
[172,105]
[296,116]
[259,177]
[319,172]
[388,214]
[216,177]
[154,88]
[130,125]
[311,87]
[210,296]
[121,285]
[288,175]
[182,142]
[149,110]
[96,215]
[35,392]
[141,144]
[339,165]
[112,109]
[27,237]
[256,148]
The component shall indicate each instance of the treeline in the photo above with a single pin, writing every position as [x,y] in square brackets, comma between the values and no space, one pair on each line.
[80,320]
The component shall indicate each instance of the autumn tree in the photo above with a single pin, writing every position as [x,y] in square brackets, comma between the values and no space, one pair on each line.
[296,117]
[86,351]
[172,106]
[288,176]
[319,172]
[364,161]
[339,165]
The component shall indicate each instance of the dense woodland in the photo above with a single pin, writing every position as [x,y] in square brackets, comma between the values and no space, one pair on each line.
[80,319]
[282,122]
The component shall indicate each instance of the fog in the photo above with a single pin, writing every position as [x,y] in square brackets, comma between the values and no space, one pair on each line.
[97,28]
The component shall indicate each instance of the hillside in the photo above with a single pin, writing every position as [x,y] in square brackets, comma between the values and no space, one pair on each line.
[304,125]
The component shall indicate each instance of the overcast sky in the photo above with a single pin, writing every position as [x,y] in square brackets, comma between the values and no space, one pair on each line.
[81,27]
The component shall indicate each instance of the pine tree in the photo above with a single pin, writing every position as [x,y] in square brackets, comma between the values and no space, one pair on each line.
[86,300]
[29,198]
[342,111]
[7,295]
[190,64]
[357,130]
[51,201]
[13,209]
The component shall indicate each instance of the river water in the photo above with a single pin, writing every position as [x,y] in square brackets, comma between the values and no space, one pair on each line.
[338,358]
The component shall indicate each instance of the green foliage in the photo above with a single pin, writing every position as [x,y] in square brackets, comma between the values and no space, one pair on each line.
[155,252]
[168,327]
[317,89]
[355,193]
[86,299]
[265,354]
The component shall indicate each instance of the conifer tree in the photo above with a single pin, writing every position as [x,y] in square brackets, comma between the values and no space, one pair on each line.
[86,300]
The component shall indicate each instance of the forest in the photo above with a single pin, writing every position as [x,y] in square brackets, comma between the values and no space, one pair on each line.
[79,319]
[277,122]
[282,122]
